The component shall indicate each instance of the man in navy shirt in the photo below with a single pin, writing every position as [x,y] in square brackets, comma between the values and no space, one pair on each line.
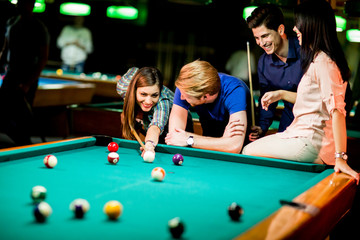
[279,68]
[221,102]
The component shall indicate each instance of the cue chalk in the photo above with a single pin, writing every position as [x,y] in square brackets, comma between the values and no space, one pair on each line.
[137,137]
[312,210]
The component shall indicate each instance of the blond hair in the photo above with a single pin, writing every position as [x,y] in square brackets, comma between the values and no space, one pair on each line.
[198,78]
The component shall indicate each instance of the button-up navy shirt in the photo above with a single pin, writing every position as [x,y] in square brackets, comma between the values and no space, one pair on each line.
[274,74]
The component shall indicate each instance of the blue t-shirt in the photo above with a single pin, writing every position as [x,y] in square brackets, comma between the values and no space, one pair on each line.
[234,96]
[273,75]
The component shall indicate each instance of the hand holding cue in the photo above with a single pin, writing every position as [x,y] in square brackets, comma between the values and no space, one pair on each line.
[251,87]
[137,137]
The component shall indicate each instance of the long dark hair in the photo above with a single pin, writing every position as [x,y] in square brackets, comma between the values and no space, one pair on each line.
[146,76]
[316,21]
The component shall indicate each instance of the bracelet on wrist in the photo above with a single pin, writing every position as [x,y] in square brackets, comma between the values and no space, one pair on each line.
[152,143]
[341,155]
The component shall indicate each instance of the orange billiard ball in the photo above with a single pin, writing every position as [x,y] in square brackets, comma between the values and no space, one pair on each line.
[158,174]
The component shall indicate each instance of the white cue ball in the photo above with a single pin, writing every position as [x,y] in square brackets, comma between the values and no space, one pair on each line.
[149,156]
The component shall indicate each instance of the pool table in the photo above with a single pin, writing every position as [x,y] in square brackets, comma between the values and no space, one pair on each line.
[57,92]
[85,119]
[105,84]
[199,192]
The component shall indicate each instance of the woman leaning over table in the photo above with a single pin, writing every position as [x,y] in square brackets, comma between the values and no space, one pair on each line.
[147,105]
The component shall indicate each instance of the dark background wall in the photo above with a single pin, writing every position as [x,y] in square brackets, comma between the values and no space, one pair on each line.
[167,34]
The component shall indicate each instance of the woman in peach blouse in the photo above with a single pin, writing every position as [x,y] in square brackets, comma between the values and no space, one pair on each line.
[318,132]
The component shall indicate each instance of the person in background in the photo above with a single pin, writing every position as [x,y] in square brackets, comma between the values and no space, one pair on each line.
[279,68]
[237,65]
[75,42]
[220,100]
[147,105]
[318,132]
[26,48]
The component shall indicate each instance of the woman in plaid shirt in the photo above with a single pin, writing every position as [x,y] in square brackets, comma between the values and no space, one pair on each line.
[147,105]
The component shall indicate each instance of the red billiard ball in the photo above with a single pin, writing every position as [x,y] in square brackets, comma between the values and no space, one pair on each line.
[113,147]
[178,159]
[50,161]
[113,158]
[235,211]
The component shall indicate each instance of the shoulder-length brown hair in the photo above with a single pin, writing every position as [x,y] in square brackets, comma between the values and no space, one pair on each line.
[144,77]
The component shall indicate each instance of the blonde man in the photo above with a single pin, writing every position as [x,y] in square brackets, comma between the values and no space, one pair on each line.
[221,102]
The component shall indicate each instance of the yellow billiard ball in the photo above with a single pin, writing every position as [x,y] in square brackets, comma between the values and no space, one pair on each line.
[59,72]
[113,209]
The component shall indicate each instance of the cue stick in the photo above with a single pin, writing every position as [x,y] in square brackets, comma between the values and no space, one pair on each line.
[251,87]
[137,137]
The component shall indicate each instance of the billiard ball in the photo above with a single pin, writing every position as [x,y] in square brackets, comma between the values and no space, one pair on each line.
[42,211]
[96,75]
[176,227]
[149,156]
[235,211]
[178,159]
[50,161]
[38,194]
[79,206]
[113,158]
[113,147]
[113,209]
[158,174]
[59,72]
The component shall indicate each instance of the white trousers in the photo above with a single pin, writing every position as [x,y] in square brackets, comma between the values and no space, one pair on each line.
[296,149]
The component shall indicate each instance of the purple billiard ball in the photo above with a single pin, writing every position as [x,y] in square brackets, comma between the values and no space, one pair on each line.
[178,159]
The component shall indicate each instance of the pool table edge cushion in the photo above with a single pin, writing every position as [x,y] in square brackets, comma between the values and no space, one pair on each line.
[16,153]
[43,148]
[289,222]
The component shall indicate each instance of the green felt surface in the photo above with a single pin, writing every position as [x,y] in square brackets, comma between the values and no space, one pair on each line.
[198,192]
